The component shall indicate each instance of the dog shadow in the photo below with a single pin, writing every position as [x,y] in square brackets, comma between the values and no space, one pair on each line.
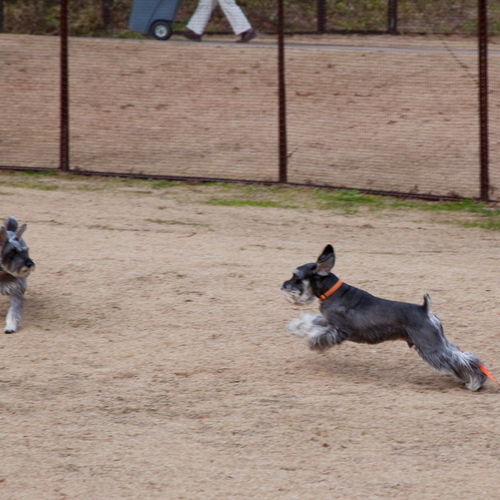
[389,369]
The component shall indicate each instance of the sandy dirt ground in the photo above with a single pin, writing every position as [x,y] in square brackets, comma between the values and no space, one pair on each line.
[153,360]
[389,113]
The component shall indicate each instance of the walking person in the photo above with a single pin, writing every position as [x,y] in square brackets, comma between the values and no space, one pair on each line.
[238,21]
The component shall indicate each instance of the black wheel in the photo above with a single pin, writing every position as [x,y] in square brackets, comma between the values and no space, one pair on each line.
[161,30]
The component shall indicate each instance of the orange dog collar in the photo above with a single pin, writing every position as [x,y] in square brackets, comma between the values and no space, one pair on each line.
[330,291]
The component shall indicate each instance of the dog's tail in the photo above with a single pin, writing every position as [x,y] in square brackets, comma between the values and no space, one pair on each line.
[428,311]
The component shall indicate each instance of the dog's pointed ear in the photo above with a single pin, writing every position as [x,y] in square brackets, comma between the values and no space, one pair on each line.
[20,232]
[326,252]
[325,261]
[3,236]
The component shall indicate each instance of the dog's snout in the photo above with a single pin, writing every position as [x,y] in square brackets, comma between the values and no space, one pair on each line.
[29,263]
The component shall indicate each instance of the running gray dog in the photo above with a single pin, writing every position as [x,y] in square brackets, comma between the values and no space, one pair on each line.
[15,267]
[348,313]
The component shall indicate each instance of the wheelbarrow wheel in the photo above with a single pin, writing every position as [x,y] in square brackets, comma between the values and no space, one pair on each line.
[161,30]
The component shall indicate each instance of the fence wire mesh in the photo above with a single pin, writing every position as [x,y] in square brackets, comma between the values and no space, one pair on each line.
[385,114]
[494,124]
[173,108]
[377,112]
[29,93]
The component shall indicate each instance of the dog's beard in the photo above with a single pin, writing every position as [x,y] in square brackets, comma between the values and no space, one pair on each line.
[299,297]
[22,272]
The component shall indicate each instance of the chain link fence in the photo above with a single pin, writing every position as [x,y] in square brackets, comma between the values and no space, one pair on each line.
[304,103]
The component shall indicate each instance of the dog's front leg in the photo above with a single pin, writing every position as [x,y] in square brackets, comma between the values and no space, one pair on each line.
[14,313]
[323,337]
[319,333]
[306,322]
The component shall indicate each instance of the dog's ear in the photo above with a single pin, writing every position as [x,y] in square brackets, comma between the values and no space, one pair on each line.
[20,231]
[11,224]
[325,261]
[3,236]
[326,252]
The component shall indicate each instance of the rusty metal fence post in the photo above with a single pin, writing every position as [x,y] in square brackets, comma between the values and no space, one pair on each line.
[392,17]
[1,16]
[64,117]
[283,155]
[483,98]
[107,16]
[321,16]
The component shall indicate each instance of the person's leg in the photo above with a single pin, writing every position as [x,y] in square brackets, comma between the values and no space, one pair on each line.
[238,21]
[201,16]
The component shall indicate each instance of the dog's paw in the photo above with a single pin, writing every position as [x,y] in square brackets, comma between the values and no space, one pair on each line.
[10,326]
[295,327]
[302,325]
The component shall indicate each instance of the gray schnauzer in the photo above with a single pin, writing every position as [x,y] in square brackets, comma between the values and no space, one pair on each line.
[15,267]
[348,313]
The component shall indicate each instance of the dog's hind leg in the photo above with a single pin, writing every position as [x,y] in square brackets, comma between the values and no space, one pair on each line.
[435,349]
